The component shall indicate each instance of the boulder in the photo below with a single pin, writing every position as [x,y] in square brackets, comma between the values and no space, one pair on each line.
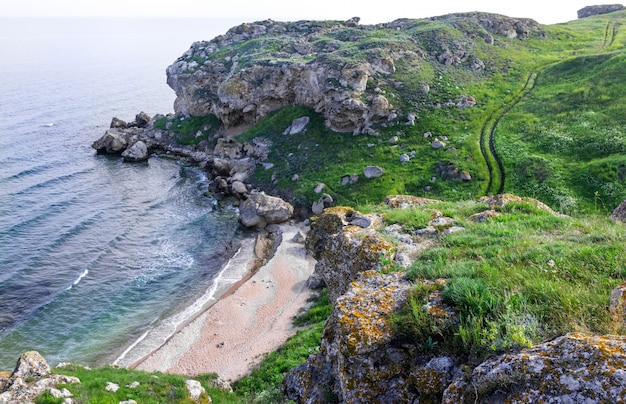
[437,144]
[349,179]
[238,187]
[30,379]
[260,210]
[600,9]
[325,201]
[137,152]
[501,200]
[373,171]
[141,120]
[113,141]
[195,390]
[117,123]
[619,214]
[617,303]
[575,368]
[298,125]
[484,216]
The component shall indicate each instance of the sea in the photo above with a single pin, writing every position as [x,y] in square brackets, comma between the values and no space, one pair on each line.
[99,257]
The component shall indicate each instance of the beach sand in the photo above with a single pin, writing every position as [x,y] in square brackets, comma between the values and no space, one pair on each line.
[233,335]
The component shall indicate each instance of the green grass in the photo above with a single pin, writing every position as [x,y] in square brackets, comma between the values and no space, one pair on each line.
[191,130]
[516,280]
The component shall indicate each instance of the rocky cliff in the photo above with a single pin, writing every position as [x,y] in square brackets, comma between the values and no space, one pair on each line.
[363,359]
[341,69]
[598,10]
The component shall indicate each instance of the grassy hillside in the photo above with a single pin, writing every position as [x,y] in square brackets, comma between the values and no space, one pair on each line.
[548,122]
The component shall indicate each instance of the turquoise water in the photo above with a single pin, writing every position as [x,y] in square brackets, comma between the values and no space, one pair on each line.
[93,251]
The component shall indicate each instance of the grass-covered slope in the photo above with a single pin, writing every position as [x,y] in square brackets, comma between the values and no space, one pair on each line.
[548,120]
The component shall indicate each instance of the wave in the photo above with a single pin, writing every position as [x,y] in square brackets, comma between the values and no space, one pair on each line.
[158,334]
[77,281]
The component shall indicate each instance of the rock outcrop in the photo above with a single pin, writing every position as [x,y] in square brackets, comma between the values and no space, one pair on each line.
[600,9]
[619,214]
[343,248]
[575,368]
[32,378]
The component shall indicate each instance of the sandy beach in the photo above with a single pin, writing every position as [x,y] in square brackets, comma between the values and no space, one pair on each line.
[234,334]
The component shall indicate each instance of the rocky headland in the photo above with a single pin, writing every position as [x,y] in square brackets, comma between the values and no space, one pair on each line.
[358,83]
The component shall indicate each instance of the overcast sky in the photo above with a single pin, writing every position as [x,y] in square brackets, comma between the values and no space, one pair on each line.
[371,12]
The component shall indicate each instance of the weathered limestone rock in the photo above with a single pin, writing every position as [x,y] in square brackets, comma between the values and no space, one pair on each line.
[260,210]
[619,214]
[356,363]
[597,10]
[117,123]
[349,179]
[137,152]
[30,379]
[343,250]
[113,141]
[502,199]
[575,368]
[297,126]
[437,144]
[406,201]
[373,171]
[617,303]
[141,120]
[325,201]
[195,390]
[484,216]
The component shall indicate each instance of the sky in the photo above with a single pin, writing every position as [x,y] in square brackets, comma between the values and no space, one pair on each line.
[370,12]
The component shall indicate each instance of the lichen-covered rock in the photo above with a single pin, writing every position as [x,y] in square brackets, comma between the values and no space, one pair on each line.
[617,303]
[260,210]
[373,171]
[576,368]
[484,216]
[344,250]
[406,201]
[356,362]
[30,379]
[501,200]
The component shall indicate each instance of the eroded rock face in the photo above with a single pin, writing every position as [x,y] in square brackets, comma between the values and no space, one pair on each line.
[30,379]
[343,250]
[575,368]
[356,363]
[600,9]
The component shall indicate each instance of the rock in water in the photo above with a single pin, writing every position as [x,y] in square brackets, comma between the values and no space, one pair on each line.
[113,141]
[137,152]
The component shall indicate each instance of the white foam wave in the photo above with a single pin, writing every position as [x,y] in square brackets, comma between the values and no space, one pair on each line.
[157,335]
[80,278]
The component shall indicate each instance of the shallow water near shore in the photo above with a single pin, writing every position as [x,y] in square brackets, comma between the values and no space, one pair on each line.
[94,252]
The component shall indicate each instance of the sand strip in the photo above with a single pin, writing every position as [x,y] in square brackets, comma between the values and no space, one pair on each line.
[234,334]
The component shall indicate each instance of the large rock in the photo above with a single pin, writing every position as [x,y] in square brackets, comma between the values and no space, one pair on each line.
[137,152]
[113,141]
[600,9]
[407,201]
[260,210]
[30,379]
[297,126]
[343,250]
[373,171]
[575,368]
[356,363]
[501,200]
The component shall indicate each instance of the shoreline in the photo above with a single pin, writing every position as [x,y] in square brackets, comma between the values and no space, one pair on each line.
[249,319]
[145,344]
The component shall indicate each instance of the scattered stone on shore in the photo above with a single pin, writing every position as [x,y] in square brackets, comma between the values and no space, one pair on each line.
[113,142]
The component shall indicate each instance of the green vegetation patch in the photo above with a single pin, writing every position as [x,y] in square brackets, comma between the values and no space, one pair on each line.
[189,130]
[520,278]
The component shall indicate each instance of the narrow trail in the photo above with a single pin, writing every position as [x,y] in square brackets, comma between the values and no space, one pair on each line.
[495,166]
[610,33]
